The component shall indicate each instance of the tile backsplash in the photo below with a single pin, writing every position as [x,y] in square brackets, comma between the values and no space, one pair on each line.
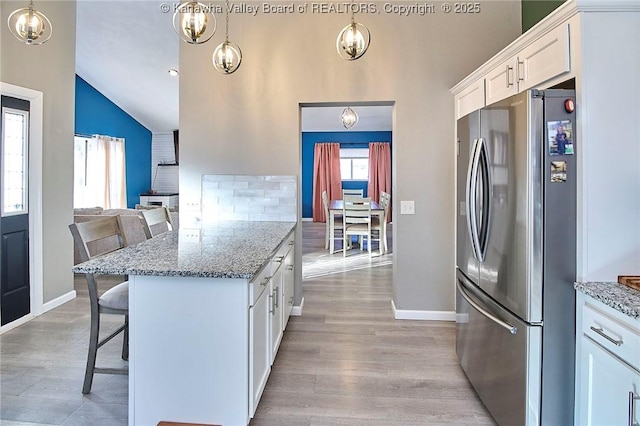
[248,197]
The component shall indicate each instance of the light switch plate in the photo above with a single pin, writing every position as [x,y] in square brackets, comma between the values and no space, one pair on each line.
[190,235]
[407,207]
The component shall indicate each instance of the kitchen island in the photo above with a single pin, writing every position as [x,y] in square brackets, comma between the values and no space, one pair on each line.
[207,308]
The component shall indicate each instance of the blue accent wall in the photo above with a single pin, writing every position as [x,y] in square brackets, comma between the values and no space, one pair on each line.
[346,140]
[95,114]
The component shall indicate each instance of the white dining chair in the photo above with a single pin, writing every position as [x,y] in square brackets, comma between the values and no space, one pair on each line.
[356,219]
[379,224]
[357,192]
[337,223]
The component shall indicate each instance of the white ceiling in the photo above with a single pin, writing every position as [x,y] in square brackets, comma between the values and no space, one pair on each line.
[125,48]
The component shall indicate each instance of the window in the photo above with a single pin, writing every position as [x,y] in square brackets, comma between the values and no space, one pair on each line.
[354,163]
[99,172]
[15,127]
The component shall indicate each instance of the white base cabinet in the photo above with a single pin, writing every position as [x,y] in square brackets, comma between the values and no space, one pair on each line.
[608,366]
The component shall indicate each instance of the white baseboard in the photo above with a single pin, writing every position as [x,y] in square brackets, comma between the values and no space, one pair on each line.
[405,314]
[16,323]
[61,300]
[307,219]
[296,311]
[45,307]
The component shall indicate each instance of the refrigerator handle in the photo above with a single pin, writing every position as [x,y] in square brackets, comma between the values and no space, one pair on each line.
[459,283]
[472,195]
[487,199]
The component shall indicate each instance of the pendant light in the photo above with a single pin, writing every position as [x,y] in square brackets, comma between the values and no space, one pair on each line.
[227,55]
[30,26]
[353,40]
[349,118]
[194,22]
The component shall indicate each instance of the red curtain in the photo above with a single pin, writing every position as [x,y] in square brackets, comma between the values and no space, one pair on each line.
[379,171]
[326,177]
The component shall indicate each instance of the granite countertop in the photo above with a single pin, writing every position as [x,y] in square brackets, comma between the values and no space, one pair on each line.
[618,296]
[226,250]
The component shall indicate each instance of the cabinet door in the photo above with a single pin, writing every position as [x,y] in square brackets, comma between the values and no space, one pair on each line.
[259,349]
[608,388]
[288,281]
[544,59]
[470,99]
[275,311]
[500,82]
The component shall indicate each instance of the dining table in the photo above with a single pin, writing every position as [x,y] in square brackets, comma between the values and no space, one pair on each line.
[336,207]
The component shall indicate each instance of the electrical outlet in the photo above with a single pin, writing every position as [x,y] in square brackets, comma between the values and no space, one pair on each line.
[190,235]
[192,205]
[407,207]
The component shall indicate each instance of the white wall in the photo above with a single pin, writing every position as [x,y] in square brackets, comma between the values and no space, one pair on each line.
[248,122]
[164,178]
[50,68]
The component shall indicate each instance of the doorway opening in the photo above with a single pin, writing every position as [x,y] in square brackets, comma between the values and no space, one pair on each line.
[321,123]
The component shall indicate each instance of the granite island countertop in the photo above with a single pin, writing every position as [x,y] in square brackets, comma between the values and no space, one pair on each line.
[618,296]
[226,250]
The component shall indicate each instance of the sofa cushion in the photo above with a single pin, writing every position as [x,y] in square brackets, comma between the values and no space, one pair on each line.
[88,210]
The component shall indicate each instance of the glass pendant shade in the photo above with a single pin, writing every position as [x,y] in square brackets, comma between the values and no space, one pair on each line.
[227,57]
[353,41]
[349,118]
[194,22]
[30,26]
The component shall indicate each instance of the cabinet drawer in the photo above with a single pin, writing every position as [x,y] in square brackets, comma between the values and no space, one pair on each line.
[615,334]
[282,252]
[259,284]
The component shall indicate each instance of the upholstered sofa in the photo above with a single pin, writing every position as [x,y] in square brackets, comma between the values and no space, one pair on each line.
[133,228]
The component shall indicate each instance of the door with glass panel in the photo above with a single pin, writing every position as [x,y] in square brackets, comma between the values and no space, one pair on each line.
[14,210]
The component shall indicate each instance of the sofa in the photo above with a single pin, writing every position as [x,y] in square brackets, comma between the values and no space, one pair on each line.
[131,221]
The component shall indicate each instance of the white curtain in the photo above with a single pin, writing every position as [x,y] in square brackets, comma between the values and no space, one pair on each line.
[99,173]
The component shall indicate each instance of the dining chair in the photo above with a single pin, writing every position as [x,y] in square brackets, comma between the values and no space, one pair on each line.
[358,192]
[356,219]
[157,221]
[379,224]
[94,238]
[337,222]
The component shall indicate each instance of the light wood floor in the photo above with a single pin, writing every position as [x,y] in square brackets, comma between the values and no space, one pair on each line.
[345,361]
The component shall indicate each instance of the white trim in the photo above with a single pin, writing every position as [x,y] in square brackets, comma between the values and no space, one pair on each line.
[307,219]
[36,100]
[58,301]
[296,311]
[405,314]
[16,323]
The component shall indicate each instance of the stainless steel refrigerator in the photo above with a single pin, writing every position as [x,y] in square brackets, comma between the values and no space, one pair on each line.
[516,256]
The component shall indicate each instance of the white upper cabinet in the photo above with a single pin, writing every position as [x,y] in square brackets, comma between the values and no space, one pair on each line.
[500,82]
[537,59]
[544,59]
[540,61]
[470,99]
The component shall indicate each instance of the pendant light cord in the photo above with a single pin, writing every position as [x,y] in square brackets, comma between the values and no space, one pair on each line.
[226,32]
